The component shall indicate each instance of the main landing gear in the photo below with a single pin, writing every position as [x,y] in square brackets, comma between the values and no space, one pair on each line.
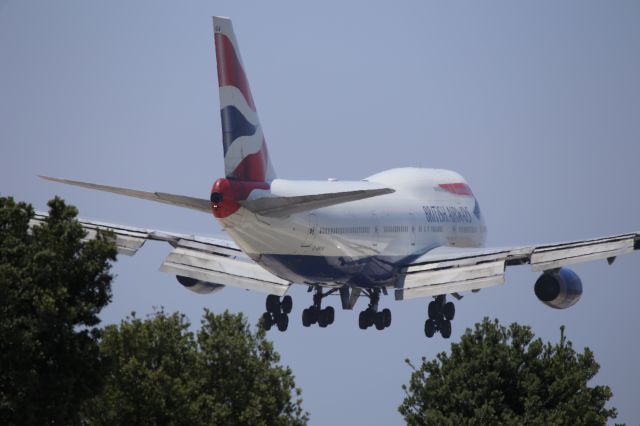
[314,313]
[440,313]
[277,312]
[371,316]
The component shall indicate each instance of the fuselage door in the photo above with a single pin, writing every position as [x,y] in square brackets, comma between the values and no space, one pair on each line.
[310,234]
[413,229]
[375,231]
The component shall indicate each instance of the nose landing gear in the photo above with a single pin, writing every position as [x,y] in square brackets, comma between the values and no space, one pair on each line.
[277,312]
[440,314]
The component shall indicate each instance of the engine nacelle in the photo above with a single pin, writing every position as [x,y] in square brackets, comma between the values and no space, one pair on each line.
[197,286]
[559,288]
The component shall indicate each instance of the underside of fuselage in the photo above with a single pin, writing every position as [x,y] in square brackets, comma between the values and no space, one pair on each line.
[331,271]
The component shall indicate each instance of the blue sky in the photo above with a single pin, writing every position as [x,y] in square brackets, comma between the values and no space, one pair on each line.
[537,104]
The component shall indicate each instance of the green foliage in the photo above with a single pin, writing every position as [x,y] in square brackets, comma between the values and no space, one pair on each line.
[161,373]
[498,375]
[52,287]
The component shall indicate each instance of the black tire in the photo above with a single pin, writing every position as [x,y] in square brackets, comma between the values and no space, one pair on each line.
[323,318]
[331,314]
[273,304]
[370,316]
[283,322]
[387,317]
[266,321]
[429,328]
[379,321]
[434,310]
[362,320]
[286,304]
[449,310]
[306,318]
[314,314]
[445,329]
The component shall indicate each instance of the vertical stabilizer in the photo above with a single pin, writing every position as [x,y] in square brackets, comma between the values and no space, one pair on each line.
[245,150]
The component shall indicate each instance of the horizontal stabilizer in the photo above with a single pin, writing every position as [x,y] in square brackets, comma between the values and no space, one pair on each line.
[285,206]
[199,204]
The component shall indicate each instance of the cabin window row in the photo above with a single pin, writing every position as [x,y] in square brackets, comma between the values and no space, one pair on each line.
[395,228]
[346,230]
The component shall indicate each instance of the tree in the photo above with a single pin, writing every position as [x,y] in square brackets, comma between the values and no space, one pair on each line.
[52,287]
[161,373]
[499,375]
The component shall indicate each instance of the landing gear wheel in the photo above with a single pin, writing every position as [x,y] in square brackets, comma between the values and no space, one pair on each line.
[266,321]
[306,317]
[379,320]
[323,318]
[386,313]
[370,316]
[314,314]
[449,310]
[331,314]
[445,328]
[283,322]
[434,310]
[429,328]
[362,320]
[273,304]
[286,304]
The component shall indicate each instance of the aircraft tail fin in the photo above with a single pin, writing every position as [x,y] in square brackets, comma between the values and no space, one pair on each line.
[245,150]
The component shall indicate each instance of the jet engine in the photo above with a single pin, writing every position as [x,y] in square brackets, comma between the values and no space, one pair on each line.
[559,288]
[197,286]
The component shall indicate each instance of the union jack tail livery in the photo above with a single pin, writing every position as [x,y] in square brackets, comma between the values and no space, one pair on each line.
[245,150]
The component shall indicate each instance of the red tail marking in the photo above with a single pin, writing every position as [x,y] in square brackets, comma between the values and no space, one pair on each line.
[253,167]
[232,191]
[230,71]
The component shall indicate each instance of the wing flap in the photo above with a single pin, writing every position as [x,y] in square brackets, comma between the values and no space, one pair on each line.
[128,241]
[223,270]
[451,260]
[450,278]
[558,255]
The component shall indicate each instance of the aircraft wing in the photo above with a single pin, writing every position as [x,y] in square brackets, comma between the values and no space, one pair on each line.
[445,271]
[210,260]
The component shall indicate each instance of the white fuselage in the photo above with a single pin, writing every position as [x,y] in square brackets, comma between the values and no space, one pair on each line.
[361,243]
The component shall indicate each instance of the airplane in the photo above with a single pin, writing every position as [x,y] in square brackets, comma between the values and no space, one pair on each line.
[414,232]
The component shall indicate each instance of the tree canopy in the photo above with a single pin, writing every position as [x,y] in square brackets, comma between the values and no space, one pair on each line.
[222,375]
[503,375]
[52,287]
[58,367]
